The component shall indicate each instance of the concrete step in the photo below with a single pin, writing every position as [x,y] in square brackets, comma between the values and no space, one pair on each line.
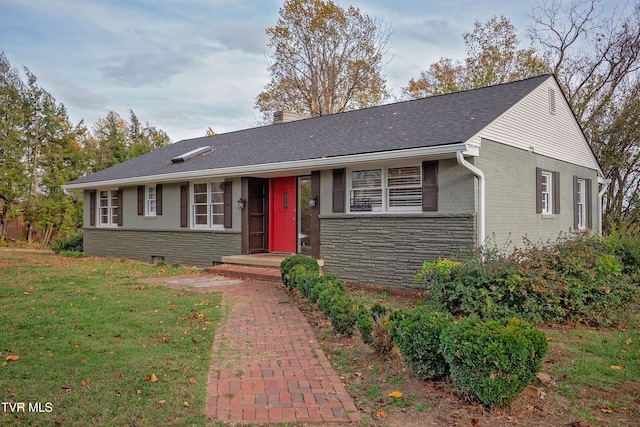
[247,272]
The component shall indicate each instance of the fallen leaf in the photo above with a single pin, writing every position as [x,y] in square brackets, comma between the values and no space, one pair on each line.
[12,358]
[76,345]
[616,367]
[474,421]
[185,404]
[162,402]
[607,410]
[138,391]
[358,374]
[381,414]
[154,379]
[396,394]
[629,341]
[192,380]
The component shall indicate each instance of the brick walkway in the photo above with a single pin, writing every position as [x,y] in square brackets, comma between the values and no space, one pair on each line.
[267,366]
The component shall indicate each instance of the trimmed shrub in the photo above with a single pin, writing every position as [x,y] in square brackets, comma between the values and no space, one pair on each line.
[71,243]
[322,283]
[344,314]
[331,291]
[493,361]
[289,264]
[365,324]
[417,335]
[304,280]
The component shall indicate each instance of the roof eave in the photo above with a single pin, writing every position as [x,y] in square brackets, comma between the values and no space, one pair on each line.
[288,167]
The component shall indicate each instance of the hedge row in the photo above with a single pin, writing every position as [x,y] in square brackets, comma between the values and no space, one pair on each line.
[492,361]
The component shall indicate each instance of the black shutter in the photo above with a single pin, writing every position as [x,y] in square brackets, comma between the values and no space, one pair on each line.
[587,196]
[140,199]
[339,189]
[575,203]
[159,199]
[314,234]
[228,205]
[556,192]
[430,186]
[184,205]
[120,207]
[538,190]
[92,208]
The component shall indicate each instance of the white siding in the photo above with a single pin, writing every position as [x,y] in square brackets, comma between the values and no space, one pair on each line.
[530,125]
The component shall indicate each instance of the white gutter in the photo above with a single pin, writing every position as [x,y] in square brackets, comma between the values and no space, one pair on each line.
[289,167]
[605,186]
[69,193]
[481,206]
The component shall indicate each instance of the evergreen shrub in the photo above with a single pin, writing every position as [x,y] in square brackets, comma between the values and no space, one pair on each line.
[417,334]
[493,361]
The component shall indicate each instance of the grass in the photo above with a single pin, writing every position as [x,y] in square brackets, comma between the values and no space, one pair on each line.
[92,345]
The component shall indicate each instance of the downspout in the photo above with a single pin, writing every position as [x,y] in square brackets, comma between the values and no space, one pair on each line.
[605,186]
[481,207]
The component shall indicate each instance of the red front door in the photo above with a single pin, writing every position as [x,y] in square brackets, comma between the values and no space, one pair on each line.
[282,218]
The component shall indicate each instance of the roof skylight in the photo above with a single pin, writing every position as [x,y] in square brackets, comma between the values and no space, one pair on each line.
[190,155]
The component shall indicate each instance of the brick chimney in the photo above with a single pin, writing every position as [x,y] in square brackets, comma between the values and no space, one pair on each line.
[284,116]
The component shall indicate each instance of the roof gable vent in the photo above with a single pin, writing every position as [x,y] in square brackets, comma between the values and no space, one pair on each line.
[552,101]
[190,155]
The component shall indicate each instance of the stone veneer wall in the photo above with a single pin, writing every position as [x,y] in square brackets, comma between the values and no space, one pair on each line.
[389,250]
[191,248]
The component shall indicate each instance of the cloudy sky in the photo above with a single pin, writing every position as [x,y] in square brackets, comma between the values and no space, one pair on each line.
[185,65]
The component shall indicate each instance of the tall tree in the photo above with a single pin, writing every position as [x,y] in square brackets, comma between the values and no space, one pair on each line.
[493,57]
[114,140]
[596,57]
[13,179]
[326,60]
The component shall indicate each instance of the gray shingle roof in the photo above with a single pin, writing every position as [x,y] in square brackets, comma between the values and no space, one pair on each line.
[427,122]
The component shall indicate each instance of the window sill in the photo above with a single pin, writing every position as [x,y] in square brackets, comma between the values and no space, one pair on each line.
[548,216]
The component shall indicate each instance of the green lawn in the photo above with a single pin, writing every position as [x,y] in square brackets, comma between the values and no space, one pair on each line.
[84,342]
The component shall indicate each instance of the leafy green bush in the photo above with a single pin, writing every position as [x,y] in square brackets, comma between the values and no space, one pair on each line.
[572,279]
[324,281]
[71,243]
[289,264]
[626,247]
[304,280]
[344,314]
[493,361]
[365,324]
[417,335]
[329,294]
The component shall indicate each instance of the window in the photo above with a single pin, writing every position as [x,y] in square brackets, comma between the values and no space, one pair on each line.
[547,192]
[386,190]
[109,208]
[580,204]
[208,204]
[151,201]
[404,188]
[547,199]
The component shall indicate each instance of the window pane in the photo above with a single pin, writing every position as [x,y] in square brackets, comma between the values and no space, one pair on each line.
[200,198]
[407,176]
[405,197]
[366,178]
[200,188]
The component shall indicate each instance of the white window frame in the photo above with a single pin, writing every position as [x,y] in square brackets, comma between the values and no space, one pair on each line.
[581,186]
[385,189]
[109,208]
[150,200]
[546,185]
[214,208]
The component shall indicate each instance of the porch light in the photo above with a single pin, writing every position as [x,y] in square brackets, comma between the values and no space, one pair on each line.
[313,201]
[241,203]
